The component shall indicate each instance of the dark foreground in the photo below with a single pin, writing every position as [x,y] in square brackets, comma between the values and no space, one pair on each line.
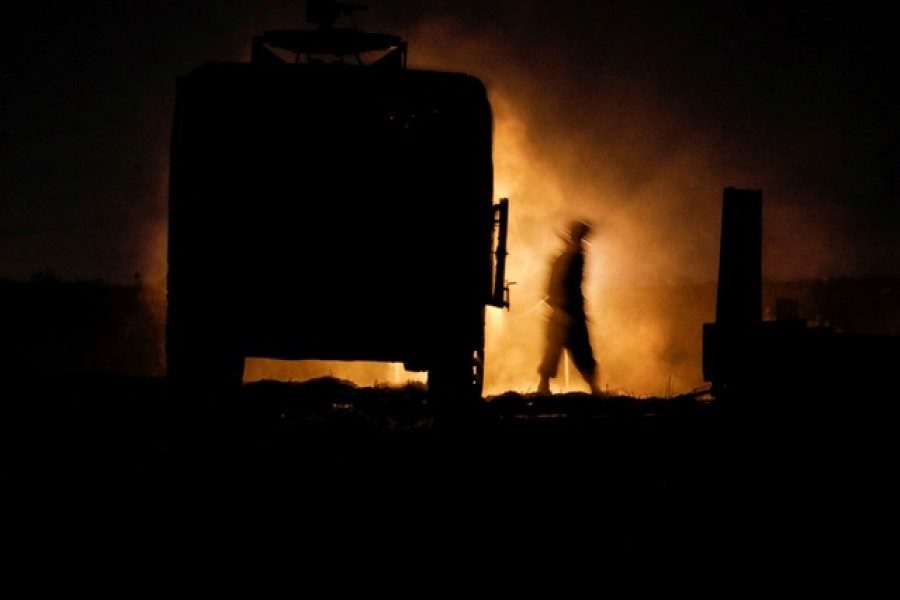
[324,469]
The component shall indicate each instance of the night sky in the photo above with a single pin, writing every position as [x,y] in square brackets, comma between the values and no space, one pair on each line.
[633,114]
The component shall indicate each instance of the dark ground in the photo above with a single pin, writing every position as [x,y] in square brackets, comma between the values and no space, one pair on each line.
[109,478]
[326,469]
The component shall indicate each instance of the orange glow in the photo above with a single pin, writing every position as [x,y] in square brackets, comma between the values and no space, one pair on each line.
[646,331]
[656,216]
[646,334]
[361,373]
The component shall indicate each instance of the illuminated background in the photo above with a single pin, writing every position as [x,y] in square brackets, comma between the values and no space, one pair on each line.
[634,116]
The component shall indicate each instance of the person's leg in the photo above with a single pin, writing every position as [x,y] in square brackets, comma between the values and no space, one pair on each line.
[583,356]
[593,380]
[543,387]
[553,348]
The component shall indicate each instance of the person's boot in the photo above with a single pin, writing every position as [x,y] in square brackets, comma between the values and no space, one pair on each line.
[544,386]
[593,381]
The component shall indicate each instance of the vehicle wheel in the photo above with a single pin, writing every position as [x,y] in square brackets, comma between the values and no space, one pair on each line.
[455,386]
[201,360]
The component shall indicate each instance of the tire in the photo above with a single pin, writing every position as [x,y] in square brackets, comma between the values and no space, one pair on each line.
[201,358]
[455,386]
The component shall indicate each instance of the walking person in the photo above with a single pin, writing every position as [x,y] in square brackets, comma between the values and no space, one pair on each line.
[567,326]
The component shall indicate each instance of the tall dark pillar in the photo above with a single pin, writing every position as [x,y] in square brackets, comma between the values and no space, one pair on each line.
[739,293]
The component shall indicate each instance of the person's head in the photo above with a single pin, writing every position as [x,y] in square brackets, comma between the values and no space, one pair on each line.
[579,230]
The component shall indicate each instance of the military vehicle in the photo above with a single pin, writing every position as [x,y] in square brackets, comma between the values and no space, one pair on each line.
[328,202]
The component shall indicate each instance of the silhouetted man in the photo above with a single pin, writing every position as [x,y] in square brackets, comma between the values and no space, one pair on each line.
[567,327]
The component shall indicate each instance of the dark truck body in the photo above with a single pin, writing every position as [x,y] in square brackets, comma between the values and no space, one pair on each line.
[333,212]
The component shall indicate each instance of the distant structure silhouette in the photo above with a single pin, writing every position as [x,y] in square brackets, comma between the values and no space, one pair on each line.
[567,327]
[809,367]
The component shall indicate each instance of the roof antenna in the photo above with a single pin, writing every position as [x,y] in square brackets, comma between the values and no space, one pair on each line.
[325,12]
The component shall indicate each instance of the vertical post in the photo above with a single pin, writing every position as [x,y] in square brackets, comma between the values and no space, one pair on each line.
[739,293]
[730,345]
[499,295]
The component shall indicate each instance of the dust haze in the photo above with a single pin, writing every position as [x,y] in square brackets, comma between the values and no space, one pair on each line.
[635,116]
[578,135]
[655,215]
[608,144]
